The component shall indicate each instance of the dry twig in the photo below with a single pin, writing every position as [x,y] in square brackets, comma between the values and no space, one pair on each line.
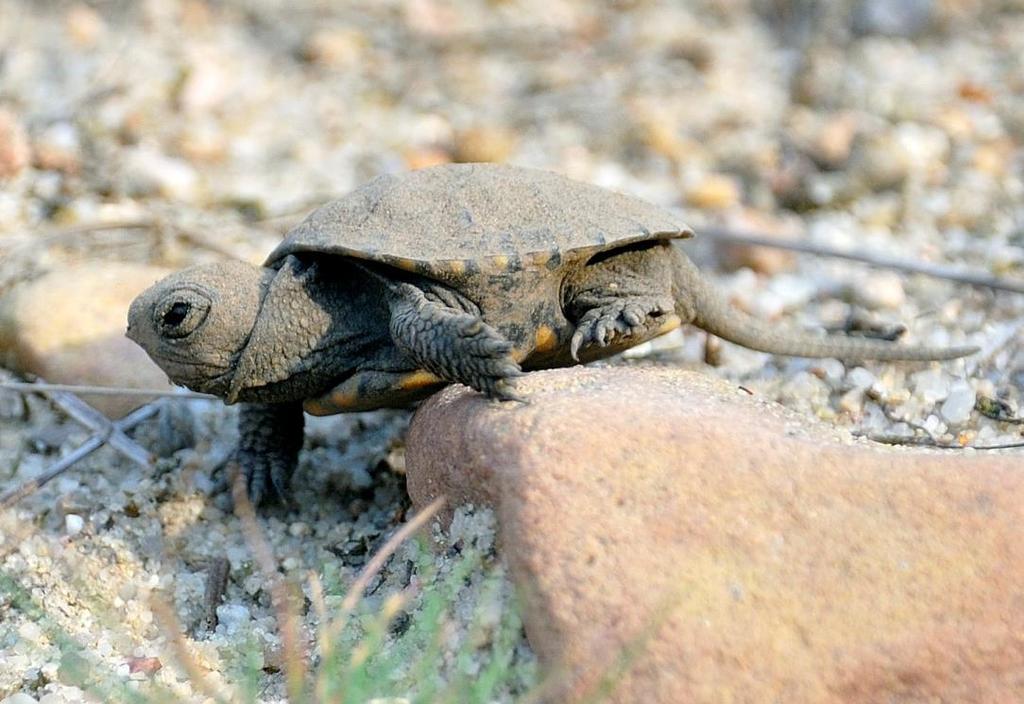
[939,271]
[13,496]
[83,390]
[216,583]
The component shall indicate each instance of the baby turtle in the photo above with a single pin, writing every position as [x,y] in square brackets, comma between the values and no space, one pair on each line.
[470,273]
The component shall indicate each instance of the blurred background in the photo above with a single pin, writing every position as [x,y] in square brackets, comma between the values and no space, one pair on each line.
[906,115]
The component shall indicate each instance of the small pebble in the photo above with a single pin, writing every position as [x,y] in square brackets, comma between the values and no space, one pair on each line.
[831,370]
[893,18]
[931,385]
[485,144]
[149,171]
[73,524]
[84,25]
[860,378]
[30,631]
[714,191]
[15,152]
[20,698]
[852,401]
[336,48]
[58,148]
[232,617]
[881,290]
[144,665]
[959,405]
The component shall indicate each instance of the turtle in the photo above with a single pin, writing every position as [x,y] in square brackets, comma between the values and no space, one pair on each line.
[458,273]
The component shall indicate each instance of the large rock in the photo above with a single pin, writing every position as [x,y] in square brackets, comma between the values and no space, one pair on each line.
[721,549]
[68,325]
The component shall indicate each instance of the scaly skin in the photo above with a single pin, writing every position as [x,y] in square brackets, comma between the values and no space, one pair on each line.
[713,313]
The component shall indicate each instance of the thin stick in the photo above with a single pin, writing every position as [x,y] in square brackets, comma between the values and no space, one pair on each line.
[919,441]
[939,271]
[217,573]
[94,442]
[102,390]
[9,498]
[86,228]
[63,233]
[98,423]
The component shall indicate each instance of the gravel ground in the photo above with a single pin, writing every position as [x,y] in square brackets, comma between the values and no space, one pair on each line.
[893,127]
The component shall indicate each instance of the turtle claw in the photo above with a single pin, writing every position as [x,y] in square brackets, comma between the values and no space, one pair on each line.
[265,478]
[505,390]
[618,320]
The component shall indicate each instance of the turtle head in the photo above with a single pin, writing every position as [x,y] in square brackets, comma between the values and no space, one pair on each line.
[196,323]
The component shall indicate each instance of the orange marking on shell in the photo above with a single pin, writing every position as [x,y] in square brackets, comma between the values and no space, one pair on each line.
[545,340]
[671,323]
[332,403]
[500,261]
[456,267]
[417,380]
[405,264]
[539,258]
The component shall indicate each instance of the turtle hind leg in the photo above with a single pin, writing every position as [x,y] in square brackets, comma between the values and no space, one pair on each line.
[619,300]
[270,437]
[622,320]
[452,343]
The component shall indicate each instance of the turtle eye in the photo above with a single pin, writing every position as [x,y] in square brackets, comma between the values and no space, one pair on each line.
[180,314]
[177,314]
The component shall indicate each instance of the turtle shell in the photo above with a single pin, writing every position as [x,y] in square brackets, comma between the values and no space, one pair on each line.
[448,220]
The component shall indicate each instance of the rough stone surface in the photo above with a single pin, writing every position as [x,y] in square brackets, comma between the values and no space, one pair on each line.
[67,326]
[745,553]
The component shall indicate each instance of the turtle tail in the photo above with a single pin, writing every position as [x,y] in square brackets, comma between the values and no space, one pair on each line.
[700,303]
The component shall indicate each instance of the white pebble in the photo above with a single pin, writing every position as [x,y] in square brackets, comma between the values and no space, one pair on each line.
[883,290]
[232,617]
[860,378]
[792,291]
[959,405]
[833,369]
[19,698]
[73,524]
[30,631]
[852,401]
[930,385]
[933,425]
[149,170]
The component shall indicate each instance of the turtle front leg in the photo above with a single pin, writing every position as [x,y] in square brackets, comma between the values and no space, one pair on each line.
[453,343]
[270,437]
